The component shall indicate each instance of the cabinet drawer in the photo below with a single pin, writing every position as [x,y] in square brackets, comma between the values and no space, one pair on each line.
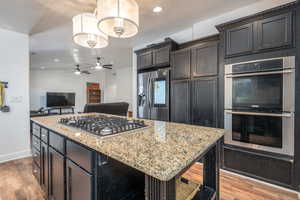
[36,172]
[44,135]
[36,143]
[36,130]
[79,155]
[272,169]
[57,142]
[36,156]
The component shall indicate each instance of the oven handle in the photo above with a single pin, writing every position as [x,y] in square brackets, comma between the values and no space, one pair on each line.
[289,115]
[259,73]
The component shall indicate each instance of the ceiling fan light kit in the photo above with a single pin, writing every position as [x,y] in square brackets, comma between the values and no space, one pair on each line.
[115,18]
[118,18]
[86,33]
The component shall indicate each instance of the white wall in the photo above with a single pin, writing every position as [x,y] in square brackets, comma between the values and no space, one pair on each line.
[14,68]
[203,29]
[42,81]
[119,86]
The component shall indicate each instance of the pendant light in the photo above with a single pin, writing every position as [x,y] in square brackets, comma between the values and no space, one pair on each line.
[118,18]
[86,33]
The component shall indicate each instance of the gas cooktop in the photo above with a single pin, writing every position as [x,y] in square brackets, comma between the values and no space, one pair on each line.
[102,125]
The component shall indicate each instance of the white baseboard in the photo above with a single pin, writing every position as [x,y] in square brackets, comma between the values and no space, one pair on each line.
[15,156]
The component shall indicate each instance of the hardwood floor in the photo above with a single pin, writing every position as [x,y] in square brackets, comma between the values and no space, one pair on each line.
[18,183]
[238,188]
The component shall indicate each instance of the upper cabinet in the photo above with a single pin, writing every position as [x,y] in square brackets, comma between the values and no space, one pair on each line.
[145,60]
[266,31]
[161,56]
[205,60]
[239,40]
[274,31]
[156,55]
[181,64]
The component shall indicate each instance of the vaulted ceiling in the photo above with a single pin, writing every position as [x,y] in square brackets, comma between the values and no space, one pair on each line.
[49,24]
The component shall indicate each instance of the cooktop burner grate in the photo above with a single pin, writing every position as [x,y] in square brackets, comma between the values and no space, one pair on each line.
[102,125]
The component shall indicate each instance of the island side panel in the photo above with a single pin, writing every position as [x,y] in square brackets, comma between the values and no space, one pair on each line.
[159,190]
[211,170]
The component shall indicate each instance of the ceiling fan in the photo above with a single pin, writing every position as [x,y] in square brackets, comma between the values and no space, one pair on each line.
[78,71]
[100,66]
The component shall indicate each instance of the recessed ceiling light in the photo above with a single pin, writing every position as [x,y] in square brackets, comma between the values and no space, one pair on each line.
[56,60]
[157,9]
[75,50]
[43,67]
[77,72]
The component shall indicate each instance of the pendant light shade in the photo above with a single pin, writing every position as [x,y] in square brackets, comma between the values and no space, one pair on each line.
[86,33]
[118,18]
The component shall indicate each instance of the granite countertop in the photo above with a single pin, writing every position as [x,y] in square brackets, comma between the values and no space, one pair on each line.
[161,150]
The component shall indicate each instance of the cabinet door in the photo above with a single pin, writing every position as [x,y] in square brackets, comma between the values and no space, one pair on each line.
[145,60]
[79,183]
[274,31]
[205,60]
[181,64]
[56,174]
[162,56]
[180,102]
[44,167]
[239,40]
[204,102]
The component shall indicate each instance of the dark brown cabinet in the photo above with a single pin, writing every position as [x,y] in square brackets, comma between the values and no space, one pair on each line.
[257,165]
[257,34]
[274,31]
[204,101]
[155,55]
[181,64]
[180,102]
[145,60]
[79,183]
[56,174]
[44,168]
[161,56]
[205,60]
[239,40]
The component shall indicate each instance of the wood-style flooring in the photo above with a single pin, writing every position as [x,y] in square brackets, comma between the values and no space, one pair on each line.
[18,183]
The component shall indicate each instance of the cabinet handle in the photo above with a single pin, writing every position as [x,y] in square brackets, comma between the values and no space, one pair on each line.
[51,173]
[70,183]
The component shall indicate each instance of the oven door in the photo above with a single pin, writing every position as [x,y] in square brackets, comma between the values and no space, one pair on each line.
[264,91]
[262,131]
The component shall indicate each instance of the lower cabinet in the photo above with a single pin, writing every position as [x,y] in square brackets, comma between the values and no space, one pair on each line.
[79,183]
[204,97]
[44,168]
[180,102]
[195,101]
[64,172]
[57,175]
[270,168]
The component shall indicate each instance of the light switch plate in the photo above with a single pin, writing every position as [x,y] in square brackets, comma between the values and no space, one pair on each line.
[16,99]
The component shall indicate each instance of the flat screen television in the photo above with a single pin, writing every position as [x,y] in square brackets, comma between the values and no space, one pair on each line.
[60,99]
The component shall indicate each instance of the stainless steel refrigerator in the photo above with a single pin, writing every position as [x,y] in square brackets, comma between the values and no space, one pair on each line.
[153,95]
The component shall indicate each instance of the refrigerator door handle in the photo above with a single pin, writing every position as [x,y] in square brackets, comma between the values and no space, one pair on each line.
[150,92]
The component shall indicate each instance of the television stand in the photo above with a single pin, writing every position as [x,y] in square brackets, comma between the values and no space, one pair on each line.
[60,109]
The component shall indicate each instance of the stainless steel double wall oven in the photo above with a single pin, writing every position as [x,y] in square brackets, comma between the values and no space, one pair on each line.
[260,104]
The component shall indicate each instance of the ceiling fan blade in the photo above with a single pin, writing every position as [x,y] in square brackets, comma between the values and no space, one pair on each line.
[85,72]
[108,66]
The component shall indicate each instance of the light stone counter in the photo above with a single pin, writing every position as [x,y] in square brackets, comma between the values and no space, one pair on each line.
[161,150]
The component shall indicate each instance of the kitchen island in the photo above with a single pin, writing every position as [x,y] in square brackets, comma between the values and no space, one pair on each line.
[161,152]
